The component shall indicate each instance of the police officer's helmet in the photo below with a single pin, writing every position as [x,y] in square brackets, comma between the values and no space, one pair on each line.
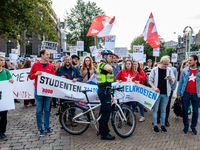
[106,52]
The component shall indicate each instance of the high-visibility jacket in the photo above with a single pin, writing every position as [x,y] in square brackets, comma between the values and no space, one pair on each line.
[102,75]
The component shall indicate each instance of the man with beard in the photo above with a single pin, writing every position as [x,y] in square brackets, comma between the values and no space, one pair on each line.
[68,71]
[75,60]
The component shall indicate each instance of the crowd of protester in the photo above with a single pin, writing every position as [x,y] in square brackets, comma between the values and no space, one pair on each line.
[161,76]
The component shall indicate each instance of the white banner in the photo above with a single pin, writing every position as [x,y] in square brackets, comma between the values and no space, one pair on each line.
[73,50]
[156,51]
[121,51]
[2,53]
[174,58]
[138,53]
[51,46]
[13,57]
[110,42]
[6,96]
[144,58]
[14,51]
[195,53]
[80,46]
[54,86]
[23,87]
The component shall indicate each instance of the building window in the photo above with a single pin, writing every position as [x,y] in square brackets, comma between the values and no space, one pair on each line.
[9,46]
[29,36]
[29,49]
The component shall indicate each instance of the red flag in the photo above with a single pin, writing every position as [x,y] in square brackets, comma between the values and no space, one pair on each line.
[101,26]
[150,33]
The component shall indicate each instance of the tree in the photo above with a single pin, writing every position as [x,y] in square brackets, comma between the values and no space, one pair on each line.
[78,22]
[195,46]
[148,50]
[32,16]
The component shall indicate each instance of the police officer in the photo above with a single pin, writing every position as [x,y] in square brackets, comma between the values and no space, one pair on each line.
[104,78]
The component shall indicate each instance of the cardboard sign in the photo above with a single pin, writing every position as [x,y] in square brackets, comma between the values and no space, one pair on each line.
[138,53]
[80,46]
[51,46]
[110,42]
[121,51]
[156,51]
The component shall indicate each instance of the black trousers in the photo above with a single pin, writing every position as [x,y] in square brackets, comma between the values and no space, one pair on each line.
[3,121]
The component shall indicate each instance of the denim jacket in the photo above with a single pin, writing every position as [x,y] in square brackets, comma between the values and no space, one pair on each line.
[153,77]
[184,79]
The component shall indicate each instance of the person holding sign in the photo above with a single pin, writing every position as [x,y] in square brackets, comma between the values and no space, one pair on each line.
[161,78]
[104,79]
[4,75]
[189,89]
[42,66]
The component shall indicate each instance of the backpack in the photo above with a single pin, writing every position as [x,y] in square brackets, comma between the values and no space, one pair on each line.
[178,108]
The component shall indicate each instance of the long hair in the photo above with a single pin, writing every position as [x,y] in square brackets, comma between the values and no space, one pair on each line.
[84,64]
[138,68]
[27,64]
[195,57]
[132,68]
[183,64]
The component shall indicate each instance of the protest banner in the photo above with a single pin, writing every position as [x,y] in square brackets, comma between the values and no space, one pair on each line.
[98,56]
[138,53]
[51,46]
[23,87]
[54,86]
[144,58]
[110,42]
[72,50]
[13,57]
[156,51]
[2,53]
[6,96]
[193,53]
[121,51]
[80,46]
[174,58]
[92,48]
[14,51]
[84,55]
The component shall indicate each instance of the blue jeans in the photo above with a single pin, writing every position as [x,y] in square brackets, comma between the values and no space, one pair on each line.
[133,105]
[162,100]
[195,105]
[42,101]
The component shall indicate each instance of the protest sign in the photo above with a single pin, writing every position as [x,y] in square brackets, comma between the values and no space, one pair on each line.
[138,53]
[121,51]
[144,58]
[92,48]
[6,96]
[2,53]
[98,56]
[54,86]
[51,46]
[156,51]
[23,87]
[174,58]
[13,57]
[130,56]
[193,53]
[80,46]
[14,51]
[84,55]
[110,42]
[72,50]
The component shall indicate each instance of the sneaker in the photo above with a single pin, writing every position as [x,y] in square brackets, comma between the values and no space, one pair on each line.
[163,129]
[41,132]
[25,106]
[3,137]
[155,129]
[194,131]
[141,119]
[185,130]
[108,137]
[48,131]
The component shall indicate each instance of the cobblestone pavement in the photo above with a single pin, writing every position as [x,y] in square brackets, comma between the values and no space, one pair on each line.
[22,134]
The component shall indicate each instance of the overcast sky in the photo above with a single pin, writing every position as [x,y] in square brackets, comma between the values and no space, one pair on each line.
[131,16]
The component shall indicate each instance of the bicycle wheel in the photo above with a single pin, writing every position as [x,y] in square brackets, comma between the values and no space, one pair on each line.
[122,128]
[70,125]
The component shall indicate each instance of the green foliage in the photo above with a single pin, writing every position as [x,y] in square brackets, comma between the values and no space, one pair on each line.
[195,46]
[148,50]
[78,23]
[33,16]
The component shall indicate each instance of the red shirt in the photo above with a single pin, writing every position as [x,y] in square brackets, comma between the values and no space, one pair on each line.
[142,77]
[191,84]
[38,67]
[127,76]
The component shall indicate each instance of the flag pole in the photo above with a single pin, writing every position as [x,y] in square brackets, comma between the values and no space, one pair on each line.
[155,58]
[96,42]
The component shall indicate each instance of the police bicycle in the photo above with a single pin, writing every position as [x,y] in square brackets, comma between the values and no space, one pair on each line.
[76,119]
